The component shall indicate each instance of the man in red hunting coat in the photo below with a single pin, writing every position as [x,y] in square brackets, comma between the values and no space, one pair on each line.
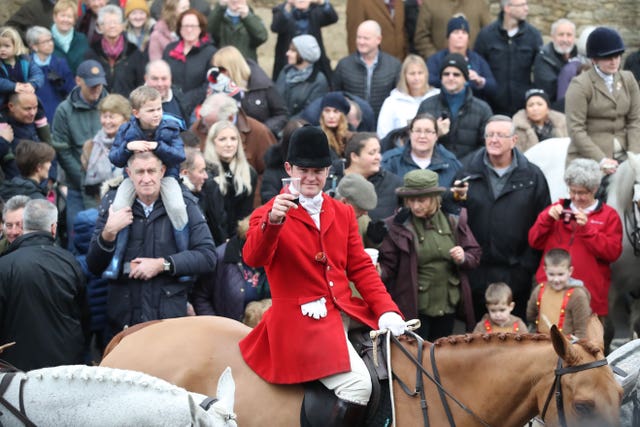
[310,253]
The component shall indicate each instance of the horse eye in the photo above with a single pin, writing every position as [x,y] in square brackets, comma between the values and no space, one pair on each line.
[584,409]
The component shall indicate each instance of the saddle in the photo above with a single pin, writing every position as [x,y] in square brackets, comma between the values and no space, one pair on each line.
[320,401]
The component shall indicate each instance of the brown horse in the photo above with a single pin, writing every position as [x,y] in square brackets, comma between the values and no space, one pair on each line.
[502,379]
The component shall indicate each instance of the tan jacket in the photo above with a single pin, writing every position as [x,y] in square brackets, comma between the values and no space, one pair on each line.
[431,27]
[394,38]
[595,116]
[577,311]
[527,137]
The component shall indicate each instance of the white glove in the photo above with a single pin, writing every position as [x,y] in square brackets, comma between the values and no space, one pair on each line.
[316,309]
[393,322]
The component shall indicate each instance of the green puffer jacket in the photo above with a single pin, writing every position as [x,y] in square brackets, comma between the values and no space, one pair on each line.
[74,123]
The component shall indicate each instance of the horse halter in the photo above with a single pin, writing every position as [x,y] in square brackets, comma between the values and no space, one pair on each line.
[557,386]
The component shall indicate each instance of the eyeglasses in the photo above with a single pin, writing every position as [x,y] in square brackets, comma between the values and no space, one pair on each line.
[423,131]
[451,73]
[191,27]
[496,135]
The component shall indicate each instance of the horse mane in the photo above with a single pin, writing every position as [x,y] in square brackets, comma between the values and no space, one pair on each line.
[621,185]
[588,346]
[99,374]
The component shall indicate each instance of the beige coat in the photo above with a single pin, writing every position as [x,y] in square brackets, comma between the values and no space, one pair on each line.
[434,15]
[394,38]
[595,117]
[527,137]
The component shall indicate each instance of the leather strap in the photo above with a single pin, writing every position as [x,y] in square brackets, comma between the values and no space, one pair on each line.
[443,398]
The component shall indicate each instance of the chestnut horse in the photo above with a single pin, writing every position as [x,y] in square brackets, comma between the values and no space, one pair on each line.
[501,379]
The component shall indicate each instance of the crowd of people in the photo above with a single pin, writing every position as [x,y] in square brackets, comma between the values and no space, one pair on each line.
[142,149]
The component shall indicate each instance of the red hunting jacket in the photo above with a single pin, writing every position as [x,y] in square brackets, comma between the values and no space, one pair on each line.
[304,264]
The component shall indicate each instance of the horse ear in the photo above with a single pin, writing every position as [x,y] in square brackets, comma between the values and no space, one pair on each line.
[561,345]
[226,389]
[595,331]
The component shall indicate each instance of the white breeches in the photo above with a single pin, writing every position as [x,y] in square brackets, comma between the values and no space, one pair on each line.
[353,386]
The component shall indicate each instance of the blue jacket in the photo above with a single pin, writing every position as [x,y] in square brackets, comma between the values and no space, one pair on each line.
[476,62]
[170,148]
[131,301]
[443,161]
[31,73]
[58,82]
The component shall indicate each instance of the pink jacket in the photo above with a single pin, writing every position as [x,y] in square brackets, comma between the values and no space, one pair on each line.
[160,37]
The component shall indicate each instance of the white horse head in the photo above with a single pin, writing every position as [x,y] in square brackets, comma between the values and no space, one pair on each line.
[625,362]
[550,156]
[80,395]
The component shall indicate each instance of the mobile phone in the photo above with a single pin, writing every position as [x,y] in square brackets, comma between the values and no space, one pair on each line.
[460,182]
[444,115]
[126,268]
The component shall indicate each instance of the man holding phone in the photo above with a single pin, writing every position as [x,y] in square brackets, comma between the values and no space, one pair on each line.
[461,116]
[503,194]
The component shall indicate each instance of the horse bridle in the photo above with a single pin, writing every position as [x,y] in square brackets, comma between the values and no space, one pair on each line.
[435,379]
[556,387]
[10,373]
[631,227]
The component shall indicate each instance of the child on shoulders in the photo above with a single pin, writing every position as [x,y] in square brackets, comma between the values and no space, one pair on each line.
[500,304]
[148,130]
[561,300]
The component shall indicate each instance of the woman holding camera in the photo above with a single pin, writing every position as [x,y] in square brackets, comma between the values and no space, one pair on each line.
[587,228]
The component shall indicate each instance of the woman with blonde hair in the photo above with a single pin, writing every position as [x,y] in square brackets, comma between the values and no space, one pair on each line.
[333,121]
[69,43]
[229,168]
[261,100]
[402,103]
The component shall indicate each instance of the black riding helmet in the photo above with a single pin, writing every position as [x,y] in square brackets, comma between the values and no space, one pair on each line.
[604,42]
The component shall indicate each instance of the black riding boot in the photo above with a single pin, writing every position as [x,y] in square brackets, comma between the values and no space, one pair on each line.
[322,408]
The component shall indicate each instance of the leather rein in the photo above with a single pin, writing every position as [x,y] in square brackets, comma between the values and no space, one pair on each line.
[9,372]
[556,387]
[435,379]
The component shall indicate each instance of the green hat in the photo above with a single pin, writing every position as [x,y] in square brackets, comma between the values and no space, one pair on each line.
[420,182]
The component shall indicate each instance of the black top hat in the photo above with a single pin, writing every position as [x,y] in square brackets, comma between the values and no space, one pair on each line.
[309,148]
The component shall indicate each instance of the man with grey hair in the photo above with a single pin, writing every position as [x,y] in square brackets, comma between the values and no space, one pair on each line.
[43,305]
[12,220]
[552,57]
[256,137]
[369,72]
[504,194]
[157,275]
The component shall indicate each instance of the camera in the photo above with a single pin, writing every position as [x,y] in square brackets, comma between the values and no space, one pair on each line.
[567,216]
